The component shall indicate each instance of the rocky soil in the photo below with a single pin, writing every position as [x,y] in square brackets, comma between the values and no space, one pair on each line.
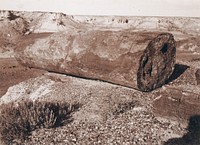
[108,113]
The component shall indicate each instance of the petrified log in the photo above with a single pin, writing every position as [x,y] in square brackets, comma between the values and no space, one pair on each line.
[157,62]
[114,56]
[197,75]
[177,103]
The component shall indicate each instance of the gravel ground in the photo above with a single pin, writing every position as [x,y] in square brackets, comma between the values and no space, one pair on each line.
[131,123]
[135,127]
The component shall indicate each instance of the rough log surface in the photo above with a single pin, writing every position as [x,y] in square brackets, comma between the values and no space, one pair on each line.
[157,62]
[197,75]
[112,56]
[177,104]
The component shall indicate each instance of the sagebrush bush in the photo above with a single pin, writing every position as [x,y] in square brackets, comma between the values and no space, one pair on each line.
[125,106]
[18,120]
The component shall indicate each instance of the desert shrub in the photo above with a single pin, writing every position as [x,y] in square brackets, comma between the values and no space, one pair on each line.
[125,106]
[12,16]
[18,120]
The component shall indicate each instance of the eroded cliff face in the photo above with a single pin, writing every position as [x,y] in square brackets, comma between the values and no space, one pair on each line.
[14,24]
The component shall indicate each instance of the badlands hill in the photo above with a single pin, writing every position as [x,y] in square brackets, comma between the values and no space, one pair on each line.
[16,24]
[108,113]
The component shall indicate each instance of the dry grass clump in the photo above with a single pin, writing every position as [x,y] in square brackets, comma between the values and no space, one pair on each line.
[18,120]
[125,106]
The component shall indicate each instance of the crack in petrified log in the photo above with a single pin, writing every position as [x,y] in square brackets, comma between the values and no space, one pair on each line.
[113,56]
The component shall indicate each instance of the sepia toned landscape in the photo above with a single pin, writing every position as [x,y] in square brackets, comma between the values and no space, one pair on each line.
[84,94]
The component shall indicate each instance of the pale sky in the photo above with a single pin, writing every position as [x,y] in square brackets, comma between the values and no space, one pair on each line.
[188,8]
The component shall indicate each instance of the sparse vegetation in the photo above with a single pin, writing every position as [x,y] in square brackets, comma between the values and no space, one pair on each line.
[12,16]
[18,120]
[61,23]
[125,106]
